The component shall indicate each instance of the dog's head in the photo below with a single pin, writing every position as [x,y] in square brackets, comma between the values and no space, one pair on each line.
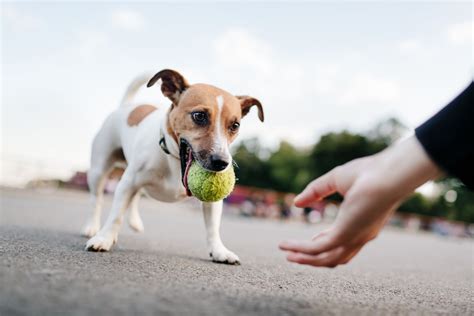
[203,119]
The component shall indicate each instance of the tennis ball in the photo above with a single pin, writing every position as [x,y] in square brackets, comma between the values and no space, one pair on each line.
[210,186]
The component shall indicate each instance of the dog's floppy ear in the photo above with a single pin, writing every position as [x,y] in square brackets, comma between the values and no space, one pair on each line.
[173,84]
[246,104]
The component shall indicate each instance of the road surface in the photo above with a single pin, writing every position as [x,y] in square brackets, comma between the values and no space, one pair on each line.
[44,269]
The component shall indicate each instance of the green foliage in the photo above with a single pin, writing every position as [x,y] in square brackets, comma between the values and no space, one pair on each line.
[335,149]
[417,203]
[288,169]
[251,169]
[462,209]
[388,131]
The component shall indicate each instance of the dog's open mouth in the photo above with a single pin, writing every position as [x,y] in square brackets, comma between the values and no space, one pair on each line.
[186,156]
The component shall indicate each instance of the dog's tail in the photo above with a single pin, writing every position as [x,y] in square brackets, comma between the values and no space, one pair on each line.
[133,88]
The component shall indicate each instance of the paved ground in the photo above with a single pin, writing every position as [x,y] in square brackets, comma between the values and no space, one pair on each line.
[165,271]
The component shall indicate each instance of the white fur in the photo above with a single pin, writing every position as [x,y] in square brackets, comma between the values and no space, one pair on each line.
[149,169]
[133,88]
[220,102]
[220,142]
[212,218]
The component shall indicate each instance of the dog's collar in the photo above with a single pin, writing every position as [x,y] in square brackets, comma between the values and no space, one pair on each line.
[164,146]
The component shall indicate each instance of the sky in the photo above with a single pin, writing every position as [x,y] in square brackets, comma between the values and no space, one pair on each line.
[315,66]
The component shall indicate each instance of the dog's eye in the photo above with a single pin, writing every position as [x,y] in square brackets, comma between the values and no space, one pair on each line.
[234,127]
[200,118]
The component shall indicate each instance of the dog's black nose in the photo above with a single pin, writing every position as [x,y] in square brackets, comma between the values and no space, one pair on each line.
[218,163]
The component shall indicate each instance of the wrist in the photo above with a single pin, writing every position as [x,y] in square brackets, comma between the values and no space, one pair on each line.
[407,166]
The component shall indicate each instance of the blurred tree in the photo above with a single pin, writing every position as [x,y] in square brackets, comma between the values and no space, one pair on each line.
[418,204]
[251,170]
[289,169]
[335,149]
[456,201]
[388,131]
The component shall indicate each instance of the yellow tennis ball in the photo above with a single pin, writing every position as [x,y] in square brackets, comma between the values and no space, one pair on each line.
[210,186]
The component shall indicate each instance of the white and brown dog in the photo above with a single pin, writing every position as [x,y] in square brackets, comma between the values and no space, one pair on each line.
[157,145]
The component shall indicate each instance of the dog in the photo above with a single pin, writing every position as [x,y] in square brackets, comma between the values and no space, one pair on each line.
[156,145]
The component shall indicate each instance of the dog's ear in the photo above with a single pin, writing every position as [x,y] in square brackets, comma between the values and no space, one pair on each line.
[173,84]
[246,104]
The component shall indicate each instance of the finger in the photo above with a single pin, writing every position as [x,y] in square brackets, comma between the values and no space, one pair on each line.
[350,254]
[327,259]
[317,189]
[312,247]
[321,233]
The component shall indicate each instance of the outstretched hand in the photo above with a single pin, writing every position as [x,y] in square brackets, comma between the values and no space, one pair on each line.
[372,187]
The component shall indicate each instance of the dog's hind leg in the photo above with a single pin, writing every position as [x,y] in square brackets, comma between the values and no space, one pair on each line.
[106,153]
[134,219]
[104,160]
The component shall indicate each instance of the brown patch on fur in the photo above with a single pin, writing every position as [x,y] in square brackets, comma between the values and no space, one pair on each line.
[170,130]
[118,161]
[116,173]
[139,113]
[116,156]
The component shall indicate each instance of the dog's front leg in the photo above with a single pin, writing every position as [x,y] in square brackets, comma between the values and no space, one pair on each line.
[217,250]
[107,236]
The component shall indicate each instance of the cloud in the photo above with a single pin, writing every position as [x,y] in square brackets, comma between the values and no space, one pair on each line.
[368,88]
[237,48]
[312,90]
[288,80]
[128,19]
[409,47]
[20,20]
[90,43]
[250,65]
[461,33]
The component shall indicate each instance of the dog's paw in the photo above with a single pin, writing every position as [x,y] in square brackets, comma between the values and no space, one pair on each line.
[100,243]
[90,229]
[224,255]
[136,222]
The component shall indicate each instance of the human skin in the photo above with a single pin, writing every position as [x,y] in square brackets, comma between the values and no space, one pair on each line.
[372,187]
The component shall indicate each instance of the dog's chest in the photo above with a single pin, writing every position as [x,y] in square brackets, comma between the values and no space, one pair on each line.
[165,187]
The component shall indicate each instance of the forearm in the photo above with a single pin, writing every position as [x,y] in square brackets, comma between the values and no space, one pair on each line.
[405,166]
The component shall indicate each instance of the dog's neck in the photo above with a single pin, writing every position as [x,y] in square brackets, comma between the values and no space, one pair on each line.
[168,141]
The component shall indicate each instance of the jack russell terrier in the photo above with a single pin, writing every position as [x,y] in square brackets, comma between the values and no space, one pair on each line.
[154,143]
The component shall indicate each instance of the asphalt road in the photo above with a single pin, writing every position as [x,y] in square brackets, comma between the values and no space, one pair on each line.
[44,269]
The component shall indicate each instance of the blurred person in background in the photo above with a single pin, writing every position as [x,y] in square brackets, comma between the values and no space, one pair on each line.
[374,186]
[285,205]
[306,211]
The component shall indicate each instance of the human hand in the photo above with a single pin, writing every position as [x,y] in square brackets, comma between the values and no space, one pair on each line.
[372,187]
